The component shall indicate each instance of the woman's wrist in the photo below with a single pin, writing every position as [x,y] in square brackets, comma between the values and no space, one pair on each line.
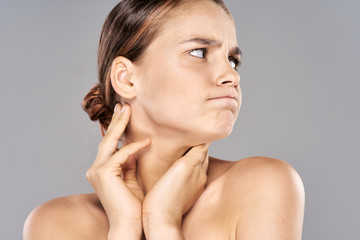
[124,233]
[162,231]
[160,227]
[125,230]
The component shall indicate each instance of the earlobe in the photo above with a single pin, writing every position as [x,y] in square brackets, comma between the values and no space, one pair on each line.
[120,77]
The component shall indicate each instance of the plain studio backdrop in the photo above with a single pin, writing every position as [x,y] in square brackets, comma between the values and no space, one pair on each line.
[300,86]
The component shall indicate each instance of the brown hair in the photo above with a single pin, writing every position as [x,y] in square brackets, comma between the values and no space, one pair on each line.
[128,29]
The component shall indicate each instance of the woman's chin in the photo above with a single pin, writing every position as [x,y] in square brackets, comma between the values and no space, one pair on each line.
[221,134]
[211,135]
[212,132]
[222,129]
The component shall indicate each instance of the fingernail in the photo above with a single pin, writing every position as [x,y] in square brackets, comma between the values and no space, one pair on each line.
[122,109]
[115,108]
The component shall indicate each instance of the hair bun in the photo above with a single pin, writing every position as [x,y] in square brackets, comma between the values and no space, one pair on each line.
[95,106]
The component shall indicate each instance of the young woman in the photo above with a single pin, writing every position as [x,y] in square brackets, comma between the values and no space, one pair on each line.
[168,87]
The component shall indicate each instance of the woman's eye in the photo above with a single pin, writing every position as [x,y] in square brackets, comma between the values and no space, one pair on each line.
[234,63]
[200,53]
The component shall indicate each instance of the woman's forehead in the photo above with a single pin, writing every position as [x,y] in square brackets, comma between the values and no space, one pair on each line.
[204,20]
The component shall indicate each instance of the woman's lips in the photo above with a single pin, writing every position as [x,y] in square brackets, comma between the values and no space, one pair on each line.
[225,101]
[223,97]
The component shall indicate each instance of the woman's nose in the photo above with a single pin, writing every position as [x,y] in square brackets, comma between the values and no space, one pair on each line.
[228,76]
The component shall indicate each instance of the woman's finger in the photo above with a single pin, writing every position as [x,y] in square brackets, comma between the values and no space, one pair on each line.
[121,156]
[116,162]
[109,143]
[196,155]
[119,122]
[115,116]
[205,163]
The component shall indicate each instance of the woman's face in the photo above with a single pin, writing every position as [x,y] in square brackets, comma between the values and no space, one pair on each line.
[187,75]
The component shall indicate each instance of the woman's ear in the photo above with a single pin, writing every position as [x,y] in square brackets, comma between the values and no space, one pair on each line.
[120,75]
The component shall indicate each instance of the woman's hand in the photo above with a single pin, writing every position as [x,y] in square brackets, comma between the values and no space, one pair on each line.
[113,177]
[174,194]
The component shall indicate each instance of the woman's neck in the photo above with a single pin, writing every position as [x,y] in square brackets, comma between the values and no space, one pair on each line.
[156,159]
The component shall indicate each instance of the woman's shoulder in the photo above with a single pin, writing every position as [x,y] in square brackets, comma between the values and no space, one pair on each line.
[67,217]
[255,170]
[255,175]
[262,192]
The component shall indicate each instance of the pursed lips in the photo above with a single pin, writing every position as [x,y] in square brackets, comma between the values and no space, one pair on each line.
[225,97]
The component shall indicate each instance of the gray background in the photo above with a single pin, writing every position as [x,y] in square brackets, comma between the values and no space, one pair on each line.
[300,83]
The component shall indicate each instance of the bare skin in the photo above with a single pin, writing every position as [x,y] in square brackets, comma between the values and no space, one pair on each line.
[249,199]
[83,217]
[162,182]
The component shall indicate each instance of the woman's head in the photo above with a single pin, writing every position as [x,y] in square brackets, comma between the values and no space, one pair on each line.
[139,58]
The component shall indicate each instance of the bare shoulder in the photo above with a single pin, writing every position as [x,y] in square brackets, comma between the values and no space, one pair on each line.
[256,171]
[267,195]
[73,217]
[264,171]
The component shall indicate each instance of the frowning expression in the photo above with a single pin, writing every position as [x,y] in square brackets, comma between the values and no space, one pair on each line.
[188,75]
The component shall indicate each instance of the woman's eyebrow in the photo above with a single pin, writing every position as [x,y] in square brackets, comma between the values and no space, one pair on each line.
[204,41]
[212,43]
